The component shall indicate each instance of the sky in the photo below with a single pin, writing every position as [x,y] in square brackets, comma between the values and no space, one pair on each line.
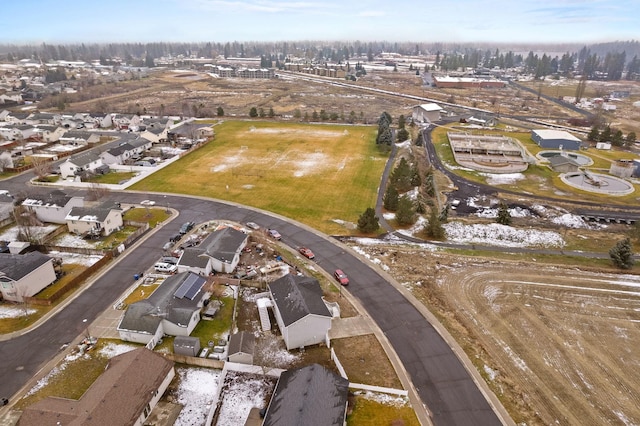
[503,21]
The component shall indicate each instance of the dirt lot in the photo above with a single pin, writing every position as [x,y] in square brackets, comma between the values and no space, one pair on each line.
[557,345]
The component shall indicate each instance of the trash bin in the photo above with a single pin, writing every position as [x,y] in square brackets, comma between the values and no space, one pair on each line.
[136,277]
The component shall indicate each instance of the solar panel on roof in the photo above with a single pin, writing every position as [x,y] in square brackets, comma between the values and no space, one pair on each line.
[195,288]
[190,287]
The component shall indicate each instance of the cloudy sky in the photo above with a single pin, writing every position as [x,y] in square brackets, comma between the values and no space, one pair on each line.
[507,21]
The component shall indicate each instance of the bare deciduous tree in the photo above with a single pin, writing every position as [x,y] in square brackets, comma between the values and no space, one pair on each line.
[96,192]
[41,166]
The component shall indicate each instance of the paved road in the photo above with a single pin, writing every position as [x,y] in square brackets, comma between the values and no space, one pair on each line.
[440,378]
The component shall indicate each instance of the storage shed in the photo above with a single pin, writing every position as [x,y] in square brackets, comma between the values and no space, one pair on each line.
[186,345]
[241,347]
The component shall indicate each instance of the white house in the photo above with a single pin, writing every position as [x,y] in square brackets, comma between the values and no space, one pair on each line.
[84,162]
[173,309]
[24,275]
[97,221]
[52,207]
[426,113]
[124,394]
[219,252]
[300,310]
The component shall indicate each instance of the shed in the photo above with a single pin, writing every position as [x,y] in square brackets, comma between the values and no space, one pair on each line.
[186,345]
[563,164]
[241,346]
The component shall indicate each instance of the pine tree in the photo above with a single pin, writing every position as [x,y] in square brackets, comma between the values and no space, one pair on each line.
[622,255]
[390,199]
[419,140]
[405,215]
[220,111]
[433,229]
[253,112]
[594,134]
[368,222]
[504,217]
[401,176]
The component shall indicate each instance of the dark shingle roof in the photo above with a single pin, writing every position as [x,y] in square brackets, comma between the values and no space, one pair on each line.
[17,266]
[310,395]
[194,257]
[145,316]
[122,148]
[297,297]
[84,158]
[118,397]
[223,244]
[242,342]
[53,198]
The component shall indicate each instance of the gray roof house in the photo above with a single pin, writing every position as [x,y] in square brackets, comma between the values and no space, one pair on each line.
[563,164]
[97,221]
[222,248]
[124,394]
[241,346]
[173,309]
[24,275]
[311,395]
[186,345]
[300,311]
[52,207]
[88,161]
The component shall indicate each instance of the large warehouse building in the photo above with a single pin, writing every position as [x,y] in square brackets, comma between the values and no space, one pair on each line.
[556,139]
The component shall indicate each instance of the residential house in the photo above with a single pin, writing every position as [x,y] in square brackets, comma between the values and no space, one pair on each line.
[241,347]
[311,395]
[300,311]
[189,130]
[78,164]
[219,252]
[118,154]
[10,133]
[24,275]
[173,309]
[51,133]
[52,207]
[79,138]
[155,134]
[96,221]
[124,394]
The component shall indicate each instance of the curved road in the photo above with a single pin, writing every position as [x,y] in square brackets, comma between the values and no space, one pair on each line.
[440,378]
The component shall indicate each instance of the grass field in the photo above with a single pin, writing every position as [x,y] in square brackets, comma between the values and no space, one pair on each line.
[315,174]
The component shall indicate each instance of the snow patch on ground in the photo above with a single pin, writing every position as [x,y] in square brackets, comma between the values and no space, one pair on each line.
[491,373]
[501,235]
[55,371]
[389,216]
[383,398]
[502,179]
[75,258]
[9,311]
[570,221]
[241,393]
[196,392]
[114,349]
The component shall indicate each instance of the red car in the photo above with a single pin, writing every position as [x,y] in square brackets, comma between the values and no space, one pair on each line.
[306,253]
[341,277]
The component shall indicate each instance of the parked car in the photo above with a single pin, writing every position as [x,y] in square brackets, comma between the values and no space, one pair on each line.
[170,260]
[252,225]
[274,234]
[186,227]
[306,253]
[148,203]
[341,277]
[164,267]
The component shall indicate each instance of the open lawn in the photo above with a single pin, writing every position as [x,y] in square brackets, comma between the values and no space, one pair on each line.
[315,174]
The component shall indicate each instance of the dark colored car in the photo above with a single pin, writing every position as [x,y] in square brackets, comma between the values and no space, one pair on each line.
[186,227]
[341,277]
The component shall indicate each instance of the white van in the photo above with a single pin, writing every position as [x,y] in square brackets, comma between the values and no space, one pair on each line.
[167,268]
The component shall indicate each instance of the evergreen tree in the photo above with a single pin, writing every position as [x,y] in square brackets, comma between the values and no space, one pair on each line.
[594,134]
[220,111]
[390,199]
[405,214]
[605,136]
[402,135]
[444,214]
[419,140]
[368,221]
[401,176]
[429,184]
[617,139]
[622,255]
[401,122]
[415,176]
[271,113]
[253,112]
[630,139]
[261,113]
[504,217]
[148,61]
[433,229]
